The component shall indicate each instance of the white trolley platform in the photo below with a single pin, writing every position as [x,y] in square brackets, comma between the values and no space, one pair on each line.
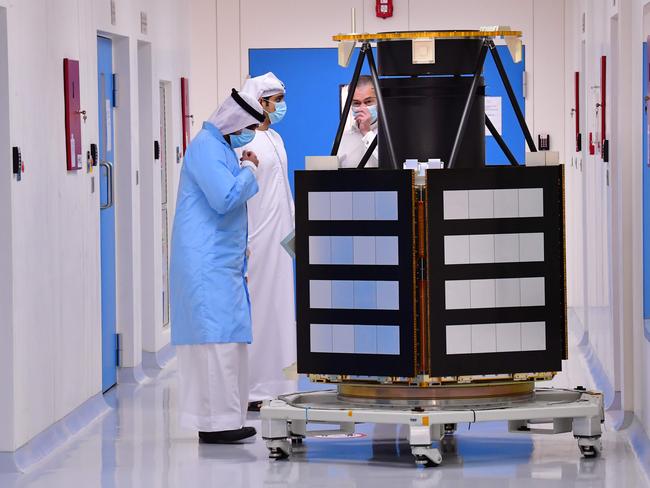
[285,420]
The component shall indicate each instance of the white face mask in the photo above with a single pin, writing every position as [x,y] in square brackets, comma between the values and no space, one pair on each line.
[280,112]
[373,112]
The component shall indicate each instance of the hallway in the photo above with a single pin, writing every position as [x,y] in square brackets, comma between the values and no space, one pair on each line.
[138,443]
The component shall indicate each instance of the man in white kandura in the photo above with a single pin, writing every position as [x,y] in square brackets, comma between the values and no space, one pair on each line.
[210,306]
[270,269]
[359,136]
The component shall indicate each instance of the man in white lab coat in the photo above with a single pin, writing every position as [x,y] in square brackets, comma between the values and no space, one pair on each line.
[359,136]
[270,268]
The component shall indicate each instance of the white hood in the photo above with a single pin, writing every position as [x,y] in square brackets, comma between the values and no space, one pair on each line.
[263,86]
[231,117]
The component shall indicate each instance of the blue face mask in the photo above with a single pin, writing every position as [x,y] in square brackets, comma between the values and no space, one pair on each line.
[280,112]
[373,113]
[239,140]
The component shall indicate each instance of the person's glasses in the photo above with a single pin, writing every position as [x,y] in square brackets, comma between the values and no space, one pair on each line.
[279,100]
[367,102]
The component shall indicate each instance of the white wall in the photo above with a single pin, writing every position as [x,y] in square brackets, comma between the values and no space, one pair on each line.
[245,24]
[204,77]
[6,248]
[55,314]
[609,251]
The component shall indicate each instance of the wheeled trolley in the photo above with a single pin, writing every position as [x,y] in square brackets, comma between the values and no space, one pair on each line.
[285,420]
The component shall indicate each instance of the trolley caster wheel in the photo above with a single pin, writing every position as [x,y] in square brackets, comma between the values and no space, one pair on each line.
[425,462]
[450,429]
[426,456]
[590,447]
[589,451]
[279,448]
[277,453]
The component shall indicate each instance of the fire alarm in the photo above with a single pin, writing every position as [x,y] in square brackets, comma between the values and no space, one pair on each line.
[384,8]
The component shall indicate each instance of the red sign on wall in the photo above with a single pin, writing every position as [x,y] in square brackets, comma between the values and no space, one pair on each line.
[185,111]
[603,99]
[72,114]
[577,110]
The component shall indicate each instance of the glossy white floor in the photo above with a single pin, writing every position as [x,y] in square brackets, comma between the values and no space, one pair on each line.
[139,444]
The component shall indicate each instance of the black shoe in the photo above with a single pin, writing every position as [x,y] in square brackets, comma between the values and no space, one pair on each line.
[254,406]
[227,436]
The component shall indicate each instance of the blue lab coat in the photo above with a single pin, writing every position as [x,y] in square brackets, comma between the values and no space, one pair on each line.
[209,297]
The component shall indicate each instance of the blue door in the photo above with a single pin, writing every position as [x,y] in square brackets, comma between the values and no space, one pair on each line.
[646,191]
[107,210]
[510,130]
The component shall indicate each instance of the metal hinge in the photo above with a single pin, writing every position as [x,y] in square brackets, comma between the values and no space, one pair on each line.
[118,349]
[524,83]
[115,91]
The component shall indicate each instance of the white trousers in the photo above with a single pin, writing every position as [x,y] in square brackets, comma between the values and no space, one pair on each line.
[213,386]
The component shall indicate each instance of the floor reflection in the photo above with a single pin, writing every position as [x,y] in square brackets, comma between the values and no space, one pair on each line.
[139,443]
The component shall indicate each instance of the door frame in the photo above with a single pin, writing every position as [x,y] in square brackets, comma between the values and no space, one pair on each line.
[149,182]
[166,152]
[127,213]
[6,247]
[155,336]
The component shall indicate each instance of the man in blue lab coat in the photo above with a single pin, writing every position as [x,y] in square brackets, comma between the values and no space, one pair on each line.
[210,306]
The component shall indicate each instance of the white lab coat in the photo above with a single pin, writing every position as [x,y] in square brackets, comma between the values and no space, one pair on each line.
[213,386]
[354,145]
[270,271]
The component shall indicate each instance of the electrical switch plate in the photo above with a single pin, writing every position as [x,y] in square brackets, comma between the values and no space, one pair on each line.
[144,23]
[113,13]
[543,142]
[94,153]
[17,160]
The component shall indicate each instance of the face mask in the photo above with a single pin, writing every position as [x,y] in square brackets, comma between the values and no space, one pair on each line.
[239,140]
[280,112]
[373,113]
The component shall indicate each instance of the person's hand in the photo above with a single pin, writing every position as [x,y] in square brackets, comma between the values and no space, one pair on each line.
[363,119]
[250,156]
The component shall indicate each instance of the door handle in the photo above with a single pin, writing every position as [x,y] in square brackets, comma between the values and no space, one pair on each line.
[109,184]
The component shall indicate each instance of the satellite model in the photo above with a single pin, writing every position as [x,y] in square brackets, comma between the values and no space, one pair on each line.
[432,296]
[454,277]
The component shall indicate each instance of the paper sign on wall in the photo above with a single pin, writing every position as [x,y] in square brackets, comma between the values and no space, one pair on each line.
[493,111]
